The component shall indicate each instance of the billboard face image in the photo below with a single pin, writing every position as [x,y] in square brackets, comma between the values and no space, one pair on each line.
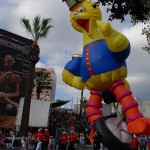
[14,66]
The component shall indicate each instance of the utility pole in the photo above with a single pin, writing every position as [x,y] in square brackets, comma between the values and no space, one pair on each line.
[71,106]
[81,102]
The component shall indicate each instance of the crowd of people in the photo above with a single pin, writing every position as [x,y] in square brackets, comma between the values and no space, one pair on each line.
[71,129]
[140,142]
[66,141]
[6,138]
[43,140]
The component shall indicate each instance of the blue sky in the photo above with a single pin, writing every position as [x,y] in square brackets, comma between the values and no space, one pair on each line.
[63,41]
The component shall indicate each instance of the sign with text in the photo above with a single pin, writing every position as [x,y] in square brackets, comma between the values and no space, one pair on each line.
[14,66]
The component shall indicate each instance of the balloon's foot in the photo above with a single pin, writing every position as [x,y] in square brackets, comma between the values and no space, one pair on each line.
[139,126]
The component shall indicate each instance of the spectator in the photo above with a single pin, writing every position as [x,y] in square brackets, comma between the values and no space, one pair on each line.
[34,144]
[1,142]
[143,142]
[81,141]
[148,142]
[53,143]
[13,139]
[134,142]
[8,143]
[23,143]
[50,143]
[30,143]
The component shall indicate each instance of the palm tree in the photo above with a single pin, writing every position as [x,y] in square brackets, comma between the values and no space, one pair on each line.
[41,81]
[146,32]
[38,31]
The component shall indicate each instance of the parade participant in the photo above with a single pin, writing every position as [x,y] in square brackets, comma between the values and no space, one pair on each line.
[64,140]
[72,139]
[39,138]
[46,136]
[101,68]
[77,137]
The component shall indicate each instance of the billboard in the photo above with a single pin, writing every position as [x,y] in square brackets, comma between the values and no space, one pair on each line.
[14,66]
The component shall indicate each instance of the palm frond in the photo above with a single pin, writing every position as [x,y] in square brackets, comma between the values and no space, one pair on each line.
[26,23]
[36,22]
[44,33]
[40,27]
[36,27]
[42,81]
[45,23]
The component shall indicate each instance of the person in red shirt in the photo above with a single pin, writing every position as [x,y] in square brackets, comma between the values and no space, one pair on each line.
[39,138]
[64,141]
[39,135]
[72,139]
[46,136]
[134,142]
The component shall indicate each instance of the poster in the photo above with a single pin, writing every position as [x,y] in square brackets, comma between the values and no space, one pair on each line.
[14,66]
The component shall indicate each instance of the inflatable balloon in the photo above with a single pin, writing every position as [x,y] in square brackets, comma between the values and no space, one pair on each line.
[102,67]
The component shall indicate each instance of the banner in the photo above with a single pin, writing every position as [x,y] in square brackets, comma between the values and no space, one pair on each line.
[39,113]
[14,66]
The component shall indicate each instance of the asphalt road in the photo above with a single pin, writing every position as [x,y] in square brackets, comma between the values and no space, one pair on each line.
[87,147]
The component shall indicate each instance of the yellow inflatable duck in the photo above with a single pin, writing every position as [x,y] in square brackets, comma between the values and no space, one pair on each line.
[102,64]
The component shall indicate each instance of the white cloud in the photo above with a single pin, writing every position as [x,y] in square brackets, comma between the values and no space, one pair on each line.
[63,41]
[40,65]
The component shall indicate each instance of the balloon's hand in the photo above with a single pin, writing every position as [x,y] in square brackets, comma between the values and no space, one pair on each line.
[72,80]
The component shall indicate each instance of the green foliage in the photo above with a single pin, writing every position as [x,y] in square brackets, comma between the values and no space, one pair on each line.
[139,10]
[146,32]
[40,27]
[41,81]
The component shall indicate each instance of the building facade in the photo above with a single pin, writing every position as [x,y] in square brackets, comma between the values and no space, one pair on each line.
[47,94]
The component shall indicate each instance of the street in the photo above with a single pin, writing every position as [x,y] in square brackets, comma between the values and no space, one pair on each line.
[87,147]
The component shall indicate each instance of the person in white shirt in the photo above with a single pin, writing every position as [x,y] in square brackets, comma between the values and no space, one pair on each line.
[23,144]
[82,141]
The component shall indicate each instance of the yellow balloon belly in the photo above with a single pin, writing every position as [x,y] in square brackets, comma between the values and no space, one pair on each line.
[103,81]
